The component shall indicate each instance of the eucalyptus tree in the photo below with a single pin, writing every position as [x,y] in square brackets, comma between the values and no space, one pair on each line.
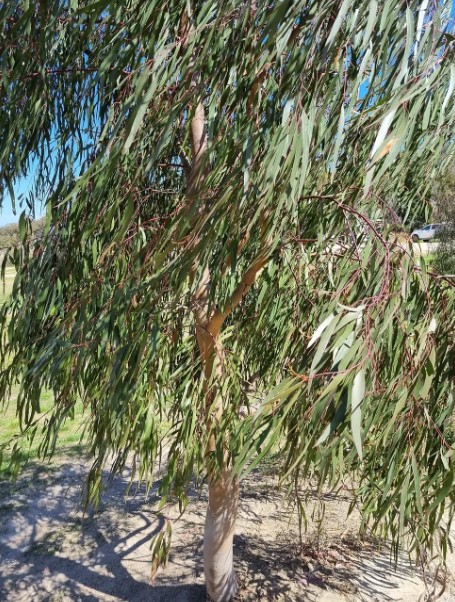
[215,284]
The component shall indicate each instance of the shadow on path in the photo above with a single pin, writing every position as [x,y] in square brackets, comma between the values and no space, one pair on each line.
[50,551]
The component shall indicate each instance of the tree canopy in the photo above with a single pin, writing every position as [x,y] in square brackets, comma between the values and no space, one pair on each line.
[336,342]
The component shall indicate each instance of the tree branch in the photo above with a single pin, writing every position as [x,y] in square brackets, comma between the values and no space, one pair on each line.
[248,279]
[219,316]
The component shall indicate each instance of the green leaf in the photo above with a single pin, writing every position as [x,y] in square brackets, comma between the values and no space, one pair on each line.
[320,329]
[357,397]
[22,227]
[444,492]
[402,399]
[338,418]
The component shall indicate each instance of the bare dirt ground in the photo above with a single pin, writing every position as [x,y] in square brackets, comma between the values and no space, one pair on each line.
[50,551]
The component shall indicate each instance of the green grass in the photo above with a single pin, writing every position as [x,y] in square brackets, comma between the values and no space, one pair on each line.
[430,258]
[68,443]
[70,433]
[6,287]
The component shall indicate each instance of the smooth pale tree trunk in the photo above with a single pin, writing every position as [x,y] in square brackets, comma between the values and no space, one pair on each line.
[223,490]
[219,531]
[223,487]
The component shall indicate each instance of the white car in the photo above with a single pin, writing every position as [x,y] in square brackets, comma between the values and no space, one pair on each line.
[427,232]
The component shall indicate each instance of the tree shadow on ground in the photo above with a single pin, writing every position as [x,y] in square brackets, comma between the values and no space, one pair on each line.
[50,550]
[280,571]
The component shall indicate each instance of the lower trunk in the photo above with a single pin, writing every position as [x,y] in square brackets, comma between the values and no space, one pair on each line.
[218,538]
[223,488]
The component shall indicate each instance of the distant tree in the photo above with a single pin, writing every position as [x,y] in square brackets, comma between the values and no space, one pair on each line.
[203,161]
[10,235]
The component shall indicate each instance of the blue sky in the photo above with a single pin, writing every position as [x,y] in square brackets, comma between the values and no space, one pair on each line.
[6,213]
[22,188]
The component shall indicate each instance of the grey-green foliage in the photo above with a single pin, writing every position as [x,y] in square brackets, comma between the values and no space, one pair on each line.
[316,113]
[444,200]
